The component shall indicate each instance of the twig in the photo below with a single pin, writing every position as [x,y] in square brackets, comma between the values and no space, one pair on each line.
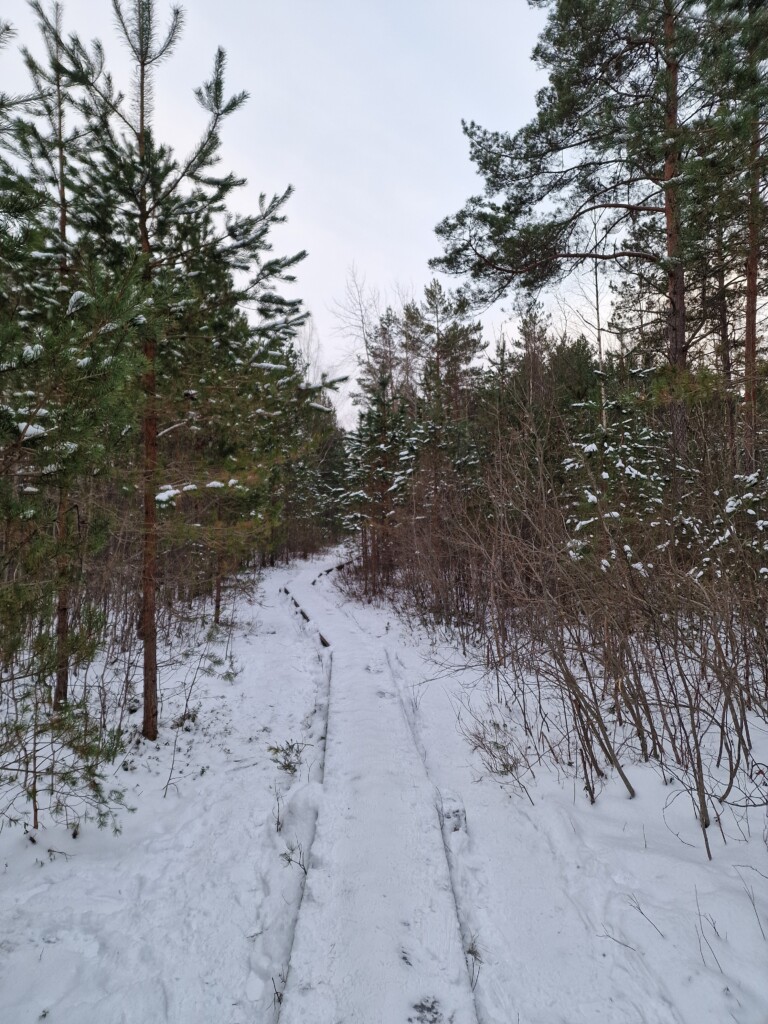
[613,938]
[52,854]
[750,867]
[634,902]
[751,897]
[277,999]
[700,933]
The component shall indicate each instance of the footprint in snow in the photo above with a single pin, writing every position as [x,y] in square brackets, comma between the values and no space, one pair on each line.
[453,816]
[428,1012]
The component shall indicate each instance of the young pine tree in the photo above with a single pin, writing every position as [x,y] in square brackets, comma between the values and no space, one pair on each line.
[135,192]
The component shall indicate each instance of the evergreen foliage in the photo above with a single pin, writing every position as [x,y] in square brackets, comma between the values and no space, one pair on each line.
[157,430]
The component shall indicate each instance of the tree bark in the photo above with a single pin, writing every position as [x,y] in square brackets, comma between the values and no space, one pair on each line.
[726,361]
[149,563]
[750,323]
[61,691]
[677,351]
[150,442]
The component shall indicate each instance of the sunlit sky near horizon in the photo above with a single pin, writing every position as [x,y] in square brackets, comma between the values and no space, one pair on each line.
[356,103]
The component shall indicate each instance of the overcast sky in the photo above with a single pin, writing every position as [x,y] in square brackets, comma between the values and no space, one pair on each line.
[356,103]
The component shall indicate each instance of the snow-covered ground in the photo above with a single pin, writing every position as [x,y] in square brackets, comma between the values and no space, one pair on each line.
[363,870]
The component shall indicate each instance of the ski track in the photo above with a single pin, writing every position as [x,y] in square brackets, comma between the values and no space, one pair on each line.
[378,938]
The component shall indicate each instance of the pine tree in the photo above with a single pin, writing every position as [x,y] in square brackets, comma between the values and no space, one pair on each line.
[733,161]
[449,344]
[49,153]
[134,191]
[610,138]
[133,302]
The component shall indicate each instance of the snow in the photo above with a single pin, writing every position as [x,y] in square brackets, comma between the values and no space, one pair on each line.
[31,352]
[379,877]
[319,843]
[30,430]
[584,522]
[78,301]
[166,494]
[180,917]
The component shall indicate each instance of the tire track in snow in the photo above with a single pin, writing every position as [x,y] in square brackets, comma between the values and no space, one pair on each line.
[452,818]
[270,961]
[305,616]
[330,961]
[495,993]
[322,707]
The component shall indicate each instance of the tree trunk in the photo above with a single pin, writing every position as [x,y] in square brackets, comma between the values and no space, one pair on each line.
[218,583]
[149,438]
[149,566]
[217,595]
[677,351]
[603,411]
[61,691]
[726,362]
[750,324]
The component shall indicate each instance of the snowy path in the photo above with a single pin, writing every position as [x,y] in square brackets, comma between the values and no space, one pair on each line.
[378,938]
[395,767]
[418,889]
[574,914]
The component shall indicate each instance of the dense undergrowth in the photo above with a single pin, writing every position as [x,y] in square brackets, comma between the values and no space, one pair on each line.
[613,589]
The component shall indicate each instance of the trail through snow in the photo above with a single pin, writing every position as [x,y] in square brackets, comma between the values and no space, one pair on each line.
[555,904]
[328,852]
[378,937]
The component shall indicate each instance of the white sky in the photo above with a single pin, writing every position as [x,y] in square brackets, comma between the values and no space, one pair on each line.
[356,103]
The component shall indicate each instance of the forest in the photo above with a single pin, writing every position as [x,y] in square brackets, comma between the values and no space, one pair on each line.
[586,512]
[158,432]
[582,512]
